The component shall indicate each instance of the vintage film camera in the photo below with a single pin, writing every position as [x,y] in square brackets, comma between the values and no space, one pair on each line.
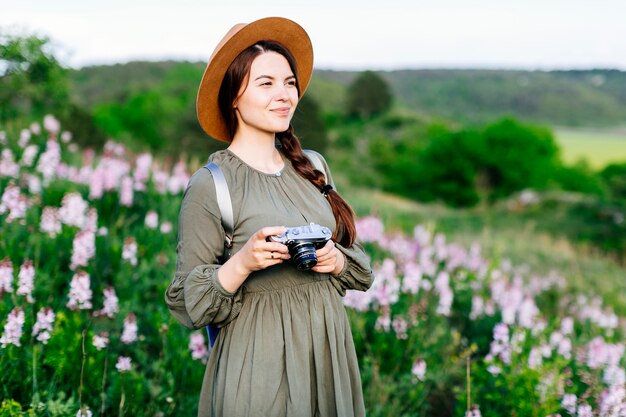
[302,242]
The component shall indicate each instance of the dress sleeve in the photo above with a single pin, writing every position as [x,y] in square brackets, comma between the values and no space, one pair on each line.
[195,296]
[357,272]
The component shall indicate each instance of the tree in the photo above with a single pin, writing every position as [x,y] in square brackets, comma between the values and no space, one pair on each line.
[309,125]
[32,81]
[368,95]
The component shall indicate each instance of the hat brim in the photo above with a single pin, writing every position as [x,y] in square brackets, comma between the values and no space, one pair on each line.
[278,29]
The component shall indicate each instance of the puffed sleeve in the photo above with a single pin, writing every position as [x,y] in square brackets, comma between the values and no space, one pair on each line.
[195,297]
[357,272]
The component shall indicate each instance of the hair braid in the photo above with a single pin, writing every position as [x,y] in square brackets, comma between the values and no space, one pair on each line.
[345,230]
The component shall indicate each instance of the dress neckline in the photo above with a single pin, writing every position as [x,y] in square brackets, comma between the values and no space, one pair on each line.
[278,173]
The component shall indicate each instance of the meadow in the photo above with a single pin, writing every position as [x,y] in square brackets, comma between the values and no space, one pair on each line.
[472,312]
[598,147]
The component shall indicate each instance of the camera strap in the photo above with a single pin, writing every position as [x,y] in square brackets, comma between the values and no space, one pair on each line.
[227,218]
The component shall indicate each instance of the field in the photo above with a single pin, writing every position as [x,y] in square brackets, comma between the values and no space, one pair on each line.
[598,147]
[473,312]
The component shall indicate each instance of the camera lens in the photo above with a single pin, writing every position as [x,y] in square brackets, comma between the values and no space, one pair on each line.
[303,255]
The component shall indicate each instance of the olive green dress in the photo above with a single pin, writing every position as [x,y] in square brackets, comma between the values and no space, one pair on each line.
[285,347]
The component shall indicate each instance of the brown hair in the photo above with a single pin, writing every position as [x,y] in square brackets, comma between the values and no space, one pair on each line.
[237,73]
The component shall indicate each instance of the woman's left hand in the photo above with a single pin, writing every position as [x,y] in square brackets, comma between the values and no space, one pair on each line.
[329,259]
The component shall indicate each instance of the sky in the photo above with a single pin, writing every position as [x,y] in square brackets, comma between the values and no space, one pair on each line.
[346,34]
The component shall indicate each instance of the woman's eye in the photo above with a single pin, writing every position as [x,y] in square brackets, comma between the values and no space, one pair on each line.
[291,83]
[267,83]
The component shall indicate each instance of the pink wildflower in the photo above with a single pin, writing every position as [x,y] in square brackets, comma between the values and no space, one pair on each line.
[129,334]
[25,136]
[369,229]
[535,358]
[51,124]
[143,164]
[101,341]
[419,369]
[50,221]
[43,325]
[613,402]
[73,211]
[35,128]
[474,412]
[91,221]
[400,326]
[442,285]
[152,219]
[358,300]
[386,286]
[412,278]
[584,410]
[568,402]
[160,179]
[614,375]
[14,203]
[8,167]
[129,250]
[123,364]
[179,179]
[33,183]
[26,278]
[111,304]
[126,192]
[166,227]
[96,183]
[80,293]
[13,328]
[383,322]
[198,347]
[28,157]
[66,136]
[84,412]
[49,160]
[6,276]
[84,248]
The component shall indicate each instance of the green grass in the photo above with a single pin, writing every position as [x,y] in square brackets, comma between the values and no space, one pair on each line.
[598,147]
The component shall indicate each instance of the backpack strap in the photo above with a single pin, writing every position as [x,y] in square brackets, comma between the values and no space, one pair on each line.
[228,223]
[225,205]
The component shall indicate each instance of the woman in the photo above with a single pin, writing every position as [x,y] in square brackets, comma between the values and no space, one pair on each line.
[284,346]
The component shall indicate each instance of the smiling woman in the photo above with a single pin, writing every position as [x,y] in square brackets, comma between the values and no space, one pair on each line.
[284,346]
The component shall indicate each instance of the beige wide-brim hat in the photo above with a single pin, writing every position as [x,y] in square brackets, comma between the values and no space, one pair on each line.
[239,37]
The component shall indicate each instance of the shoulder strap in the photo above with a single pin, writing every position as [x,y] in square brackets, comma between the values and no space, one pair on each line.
[228,223]
[225,204]
[316,161]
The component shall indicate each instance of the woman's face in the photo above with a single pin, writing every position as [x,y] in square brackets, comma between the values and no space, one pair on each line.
[268,99]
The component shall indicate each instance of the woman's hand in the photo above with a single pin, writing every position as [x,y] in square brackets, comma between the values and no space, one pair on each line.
[255,255]
[329,259]
[259,253]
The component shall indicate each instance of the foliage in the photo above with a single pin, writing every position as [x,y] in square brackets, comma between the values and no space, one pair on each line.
[615,177]
[32,81]
[309,125]
[516,156]
[368,95]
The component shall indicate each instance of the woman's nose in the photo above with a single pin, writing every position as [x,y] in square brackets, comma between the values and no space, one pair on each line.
[283,93]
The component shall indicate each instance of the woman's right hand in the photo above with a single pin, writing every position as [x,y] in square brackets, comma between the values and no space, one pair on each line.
[258,253]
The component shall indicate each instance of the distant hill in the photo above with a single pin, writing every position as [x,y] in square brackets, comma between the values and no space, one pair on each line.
[565,98]
[558,98]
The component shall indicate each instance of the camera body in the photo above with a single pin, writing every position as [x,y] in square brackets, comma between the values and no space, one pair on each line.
[302,242]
